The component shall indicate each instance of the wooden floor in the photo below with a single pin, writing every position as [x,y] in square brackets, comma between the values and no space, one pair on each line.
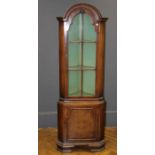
[47,143]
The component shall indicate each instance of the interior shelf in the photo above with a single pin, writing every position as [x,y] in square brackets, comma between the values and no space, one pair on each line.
[85,41]
[80,93]
[77,68]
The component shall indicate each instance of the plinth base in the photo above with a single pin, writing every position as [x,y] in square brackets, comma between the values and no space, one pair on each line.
[91,146]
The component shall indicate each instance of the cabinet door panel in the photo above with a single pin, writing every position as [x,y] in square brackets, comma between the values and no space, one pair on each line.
[78,128]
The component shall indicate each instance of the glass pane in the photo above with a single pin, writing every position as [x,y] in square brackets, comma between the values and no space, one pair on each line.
[74,83]
[89,83]
[75,29]
[89,54]
[88,29]
[74,55]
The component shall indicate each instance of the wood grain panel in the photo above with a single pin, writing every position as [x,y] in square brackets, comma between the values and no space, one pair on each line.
[83,128]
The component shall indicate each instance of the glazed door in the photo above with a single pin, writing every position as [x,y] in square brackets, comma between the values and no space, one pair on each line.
[81,57]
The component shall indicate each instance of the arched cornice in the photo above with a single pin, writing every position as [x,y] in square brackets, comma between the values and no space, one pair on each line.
[82,7]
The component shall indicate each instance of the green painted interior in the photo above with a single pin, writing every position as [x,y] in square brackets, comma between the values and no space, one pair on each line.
[89,54]
[88,83]
[74,33]
[74,55]
[88,29]
[74,83]
[81,57]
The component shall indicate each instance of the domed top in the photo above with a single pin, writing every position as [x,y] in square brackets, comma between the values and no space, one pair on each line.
[85,8]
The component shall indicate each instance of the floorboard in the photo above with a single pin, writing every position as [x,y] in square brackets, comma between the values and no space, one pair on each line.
[47,143]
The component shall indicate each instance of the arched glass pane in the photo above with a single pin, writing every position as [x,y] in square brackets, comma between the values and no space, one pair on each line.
[88,33]
[75,29]
[81,57]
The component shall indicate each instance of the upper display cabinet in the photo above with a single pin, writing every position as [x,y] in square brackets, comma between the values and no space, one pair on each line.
[81,37]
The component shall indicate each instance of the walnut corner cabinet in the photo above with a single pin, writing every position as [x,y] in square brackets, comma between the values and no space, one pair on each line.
[81,106]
